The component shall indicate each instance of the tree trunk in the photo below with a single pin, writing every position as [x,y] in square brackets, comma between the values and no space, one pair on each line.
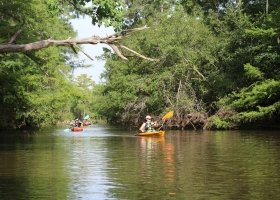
[266,7]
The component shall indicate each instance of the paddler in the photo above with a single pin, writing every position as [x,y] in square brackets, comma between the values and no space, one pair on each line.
[148,125]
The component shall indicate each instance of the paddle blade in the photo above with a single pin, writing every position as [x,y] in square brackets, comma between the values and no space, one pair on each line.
[168,115]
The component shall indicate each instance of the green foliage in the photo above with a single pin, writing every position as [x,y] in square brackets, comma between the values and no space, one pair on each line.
[102,12]
[227,50]
[108,12]
[84,81]
[35,90]
[185,49]
[258,102]
[261,93]
[262,113]
[82,97]
[36,86]
[218,123]
[245,45]
[252,72]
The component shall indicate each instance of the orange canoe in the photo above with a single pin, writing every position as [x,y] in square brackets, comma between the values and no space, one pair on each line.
[76,129]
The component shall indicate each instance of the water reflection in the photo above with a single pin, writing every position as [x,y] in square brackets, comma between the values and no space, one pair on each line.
[29,169]
[152,146]
[104,163]
[86,168]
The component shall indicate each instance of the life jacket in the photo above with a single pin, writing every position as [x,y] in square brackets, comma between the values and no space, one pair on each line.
[148,126]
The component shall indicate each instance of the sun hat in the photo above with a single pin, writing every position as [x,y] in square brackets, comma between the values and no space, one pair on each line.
[148,117]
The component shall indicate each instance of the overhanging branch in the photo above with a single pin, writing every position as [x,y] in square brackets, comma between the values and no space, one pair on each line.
[112,40]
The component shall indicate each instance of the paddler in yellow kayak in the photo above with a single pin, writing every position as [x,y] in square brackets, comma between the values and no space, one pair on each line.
[149,125]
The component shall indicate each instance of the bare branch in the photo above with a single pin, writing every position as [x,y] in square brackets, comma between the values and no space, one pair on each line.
[73,48]
[14,37]
[117,51]
[168,99]
[178,92]
[128,31]
[195,69]
[83,52]
[112,41]
[137,54]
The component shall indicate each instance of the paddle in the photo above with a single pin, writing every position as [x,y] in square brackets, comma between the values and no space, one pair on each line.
[166,117]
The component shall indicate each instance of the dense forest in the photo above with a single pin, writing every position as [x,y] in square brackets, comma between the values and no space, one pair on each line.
[214,63]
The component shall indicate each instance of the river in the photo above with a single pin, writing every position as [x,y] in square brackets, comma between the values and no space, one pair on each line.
[110,163]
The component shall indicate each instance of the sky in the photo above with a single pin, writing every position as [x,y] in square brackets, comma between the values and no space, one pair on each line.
[84,28]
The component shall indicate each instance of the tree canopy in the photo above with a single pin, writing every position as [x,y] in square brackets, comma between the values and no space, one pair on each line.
[215,63]
[214,59]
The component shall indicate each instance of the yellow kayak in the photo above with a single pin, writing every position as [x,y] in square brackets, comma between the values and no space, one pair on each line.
[153,133]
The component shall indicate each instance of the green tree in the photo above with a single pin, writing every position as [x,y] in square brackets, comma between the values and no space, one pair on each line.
[35,90]
[36,85]
[82,99]
[249,65]
[178,80]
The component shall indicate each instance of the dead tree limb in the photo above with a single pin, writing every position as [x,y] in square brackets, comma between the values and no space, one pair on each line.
[83,52]
[14,37]
[117,51]
[112,41]
[137,54]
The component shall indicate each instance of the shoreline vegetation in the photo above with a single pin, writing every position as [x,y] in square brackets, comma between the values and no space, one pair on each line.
[215,64]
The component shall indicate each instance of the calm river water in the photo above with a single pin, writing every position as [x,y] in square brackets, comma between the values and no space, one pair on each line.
[106,163]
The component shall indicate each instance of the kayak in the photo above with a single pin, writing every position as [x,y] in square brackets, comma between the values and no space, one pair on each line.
[153,133]
[76,129]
